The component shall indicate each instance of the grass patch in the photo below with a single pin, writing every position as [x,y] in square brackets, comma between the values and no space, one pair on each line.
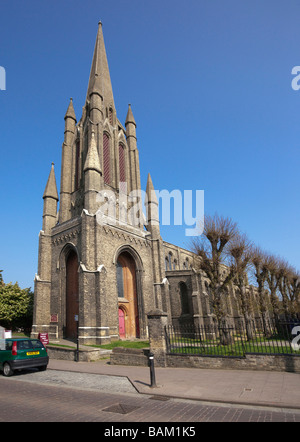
[126,344]
[234,349]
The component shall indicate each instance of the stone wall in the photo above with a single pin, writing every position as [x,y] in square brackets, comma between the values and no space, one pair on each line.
[69,354]
[287,363]
[130,356]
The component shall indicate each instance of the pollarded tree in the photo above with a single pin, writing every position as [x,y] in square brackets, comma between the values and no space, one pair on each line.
[273,279]
[212,247]
[283,285]
[240,252]
[293,291]
[258,260]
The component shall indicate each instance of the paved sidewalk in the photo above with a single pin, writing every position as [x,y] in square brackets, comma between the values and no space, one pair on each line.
[259,388]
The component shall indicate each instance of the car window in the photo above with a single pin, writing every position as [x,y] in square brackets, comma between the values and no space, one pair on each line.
[37,344]
[8,345]
[24,345]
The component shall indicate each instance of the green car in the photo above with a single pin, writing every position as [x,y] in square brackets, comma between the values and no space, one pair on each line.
[18,354]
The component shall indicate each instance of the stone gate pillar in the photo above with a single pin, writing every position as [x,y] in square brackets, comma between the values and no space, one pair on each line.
[157,320]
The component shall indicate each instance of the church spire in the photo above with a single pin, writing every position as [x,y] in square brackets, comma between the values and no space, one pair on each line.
[151,204]
[70,111]
[99,81]
[50,203]
[92,177]
[92,161]
[130,117]
[51,189]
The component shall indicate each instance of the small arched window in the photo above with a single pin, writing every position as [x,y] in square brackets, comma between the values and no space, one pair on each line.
[106,159]
[167,263]
[110,115]
[174,264]
[170,261]
[186,264]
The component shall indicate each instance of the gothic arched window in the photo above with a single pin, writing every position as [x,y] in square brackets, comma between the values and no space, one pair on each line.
[170,260]
[77,158]
[122,168]
[120,284]
[167,263]
[106,159]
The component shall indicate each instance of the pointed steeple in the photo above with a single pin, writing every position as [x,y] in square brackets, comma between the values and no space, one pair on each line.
[99,81]
[151,204]
[50,203]
[92,177]
[70,111]
[150,192]
[130,117]
[92,161]
[51,189]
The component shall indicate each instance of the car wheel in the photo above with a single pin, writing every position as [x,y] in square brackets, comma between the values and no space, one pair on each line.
[7,370]
[42,368]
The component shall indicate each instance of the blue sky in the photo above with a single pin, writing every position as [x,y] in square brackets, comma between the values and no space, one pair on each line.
[210,86]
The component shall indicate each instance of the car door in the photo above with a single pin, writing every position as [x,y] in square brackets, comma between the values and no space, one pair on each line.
[38,349]
[5,351]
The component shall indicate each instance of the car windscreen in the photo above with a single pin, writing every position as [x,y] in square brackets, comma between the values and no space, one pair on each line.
[24,345]
[36,343]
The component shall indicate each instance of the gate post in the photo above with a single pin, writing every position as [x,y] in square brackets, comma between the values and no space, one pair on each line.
[157,320]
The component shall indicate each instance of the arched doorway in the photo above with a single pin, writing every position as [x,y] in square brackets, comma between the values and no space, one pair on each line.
[184,300]
[72,294]
[127,297]
[122,329]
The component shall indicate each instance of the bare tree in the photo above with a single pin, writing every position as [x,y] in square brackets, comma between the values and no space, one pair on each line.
[212,247]
[293,291]
[240,252]
[283,284]
[273,280]
[258,260]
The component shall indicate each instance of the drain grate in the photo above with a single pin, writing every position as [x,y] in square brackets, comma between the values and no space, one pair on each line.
[160,398]
[121,408]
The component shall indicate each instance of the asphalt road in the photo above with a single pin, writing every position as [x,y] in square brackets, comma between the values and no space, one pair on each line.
[60,396]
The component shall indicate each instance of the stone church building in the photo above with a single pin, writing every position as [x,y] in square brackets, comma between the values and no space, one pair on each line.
[104,273]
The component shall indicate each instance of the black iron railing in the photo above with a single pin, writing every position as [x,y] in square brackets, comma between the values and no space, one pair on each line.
[255,336]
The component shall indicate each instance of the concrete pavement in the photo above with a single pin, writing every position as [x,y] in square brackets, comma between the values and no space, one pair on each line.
[254,388]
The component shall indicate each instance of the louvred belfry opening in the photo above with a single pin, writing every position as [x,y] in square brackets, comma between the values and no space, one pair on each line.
[106,159]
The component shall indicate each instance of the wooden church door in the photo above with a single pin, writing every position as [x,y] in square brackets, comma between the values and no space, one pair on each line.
[72,290]
[127,294]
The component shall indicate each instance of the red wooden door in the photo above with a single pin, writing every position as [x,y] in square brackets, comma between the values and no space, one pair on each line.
[122,332]
[72,304]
